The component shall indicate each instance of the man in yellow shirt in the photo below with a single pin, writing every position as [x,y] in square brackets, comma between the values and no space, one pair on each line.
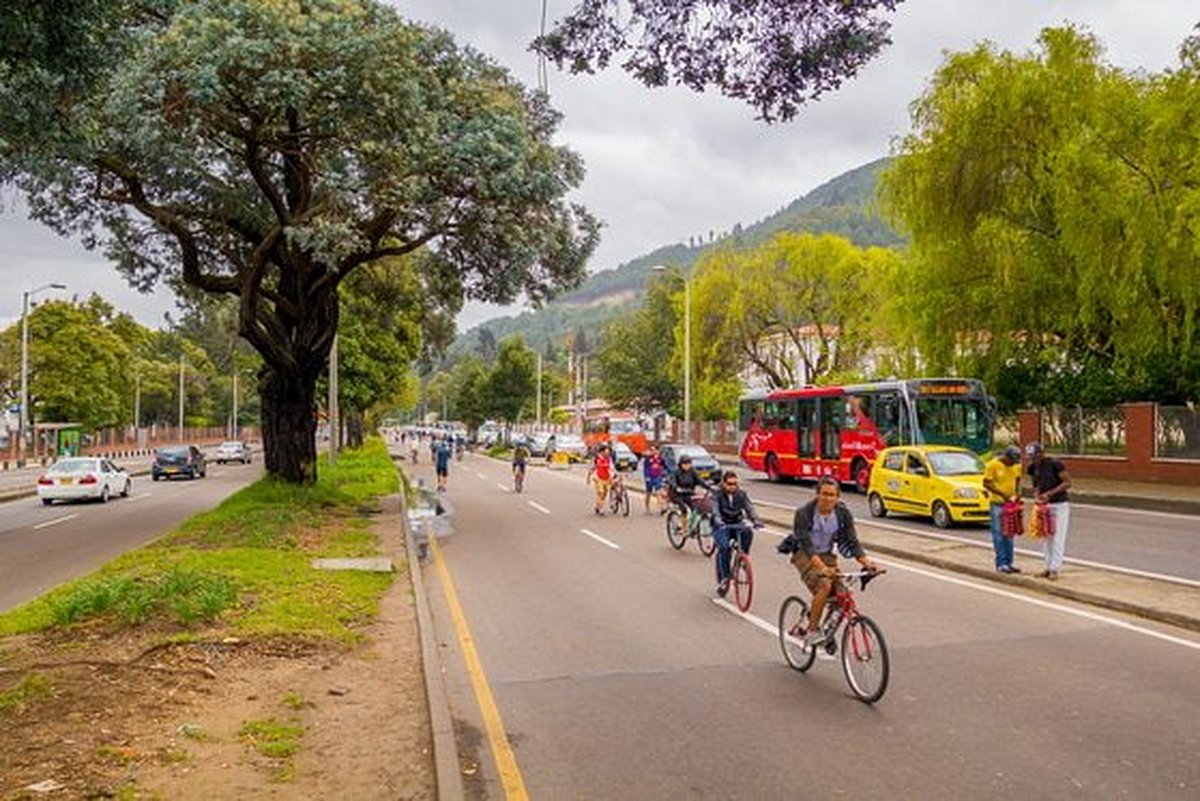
[1000,478]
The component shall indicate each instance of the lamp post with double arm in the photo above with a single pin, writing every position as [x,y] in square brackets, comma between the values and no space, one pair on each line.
[23,416]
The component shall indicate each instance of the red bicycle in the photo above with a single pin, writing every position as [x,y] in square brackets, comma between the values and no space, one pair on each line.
[741,569]
[864,651]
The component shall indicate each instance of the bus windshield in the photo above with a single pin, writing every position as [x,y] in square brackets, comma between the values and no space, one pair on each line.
[965,422]
[624,427]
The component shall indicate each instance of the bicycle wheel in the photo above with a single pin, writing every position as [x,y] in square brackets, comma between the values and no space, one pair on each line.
[624,502]
[705,540]
[742,575]
[675,533]
[865,659]
[793,623]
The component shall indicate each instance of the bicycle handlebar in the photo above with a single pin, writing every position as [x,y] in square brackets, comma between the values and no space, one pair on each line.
[863,576]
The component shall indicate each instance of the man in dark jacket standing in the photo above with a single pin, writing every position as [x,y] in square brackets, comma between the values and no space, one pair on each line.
[818,527]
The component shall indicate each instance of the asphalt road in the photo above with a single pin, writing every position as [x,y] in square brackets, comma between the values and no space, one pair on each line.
[1153,542]
[617,676]
[44,546]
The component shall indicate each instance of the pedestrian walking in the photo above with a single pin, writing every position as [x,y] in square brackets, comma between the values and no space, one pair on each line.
[1050,485]
[1001,478]
[441,458]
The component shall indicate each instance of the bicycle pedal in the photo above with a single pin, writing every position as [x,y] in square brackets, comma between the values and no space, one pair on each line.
[831,647]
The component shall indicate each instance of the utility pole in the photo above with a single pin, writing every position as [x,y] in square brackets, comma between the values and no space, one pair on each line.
[539,391]
[23,418]
[181,438]
[334,422]
[233,422]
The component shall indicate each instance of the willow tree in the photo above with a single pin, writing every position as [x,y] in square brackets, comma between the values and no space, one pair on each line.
[1053,204]
[267,150]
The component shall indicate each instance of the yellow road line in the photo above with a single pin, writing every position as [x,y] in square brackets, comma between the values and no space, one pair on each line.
[506,761]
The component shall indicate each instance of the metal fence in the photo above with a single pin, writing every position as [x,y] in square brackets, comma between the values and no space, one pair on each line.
[1076,431]
[1177,432]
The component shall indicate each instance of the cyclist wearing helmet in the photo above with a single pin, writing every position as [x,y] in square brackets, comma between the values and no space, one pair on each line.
[681,487]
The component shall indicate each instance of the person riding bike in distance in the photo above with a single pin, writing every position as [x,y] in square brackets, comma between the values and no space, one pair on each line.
[681,487]
[520,457]
[817,528]
[733,509]
[601,474]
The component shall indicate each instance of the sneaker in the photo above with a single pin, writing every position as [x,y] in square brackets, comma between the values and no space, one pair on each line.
[1052,575]
[723,588]
[1004,569]
[814,638]
[1044,574]
[1014,569]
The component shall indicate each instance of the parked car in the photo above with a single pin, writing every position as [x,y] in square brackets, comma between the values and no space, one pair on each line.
[83,477]
[539,443]
[704,463]
[938,481]
[572,445]
[624,457]
[178,460]
[233,452]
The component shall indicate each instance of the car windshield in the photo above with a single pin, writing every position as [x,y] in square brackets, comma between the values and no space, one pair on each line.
[696,452]
[173,452]
[955,463]
[621,449]
[73,465]
[231,445]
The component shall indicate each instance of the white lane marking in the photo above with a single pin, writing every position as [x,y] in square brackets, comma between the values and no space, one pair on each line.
[140,497]
[481,475]
[539,507]
[502,487]
[1044,604]
[56,521]
[1128,571]
[600,539]
[769,628]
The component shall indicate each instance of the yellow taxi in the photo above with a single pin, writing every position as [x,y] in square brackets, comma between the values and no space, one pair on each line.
[938,481]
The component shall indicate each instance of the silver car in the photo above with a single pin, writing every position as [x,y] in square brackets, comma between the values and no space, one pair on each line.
[83,478]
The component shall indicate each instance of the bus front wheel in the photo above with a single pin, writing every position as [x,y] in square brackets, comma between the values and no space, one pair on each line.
[773,468]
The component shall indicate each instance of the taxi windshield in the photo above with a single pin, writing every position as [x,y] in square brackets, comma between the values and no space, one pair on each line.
[955,463]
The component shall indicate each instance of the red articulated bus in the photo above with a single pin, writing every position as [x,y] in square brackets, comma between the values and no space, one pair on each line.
[839,430]
[622,429]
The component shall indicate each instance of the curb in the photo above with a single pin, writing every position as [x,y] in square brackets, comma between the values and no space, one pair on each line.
[1023,582]
[445,747]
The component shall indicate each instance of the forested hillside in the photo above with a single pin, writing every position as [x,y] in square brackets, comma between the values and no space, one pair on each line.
[843,205]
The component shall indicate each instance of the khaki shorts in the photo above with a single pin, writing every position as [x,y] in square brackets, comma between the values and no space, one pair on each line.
[812,577]
[601,488]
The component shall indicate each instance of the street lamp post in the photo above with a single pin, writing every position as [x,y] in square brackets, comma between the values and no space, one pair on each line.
[687,350]
[23,416]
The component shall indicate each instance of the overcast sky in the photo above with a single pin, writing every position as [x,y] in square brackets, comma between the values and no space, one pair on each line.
[667,164]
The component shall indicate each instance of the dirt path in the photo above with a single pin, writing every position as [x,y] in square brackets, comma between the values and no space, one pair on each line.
[119,720]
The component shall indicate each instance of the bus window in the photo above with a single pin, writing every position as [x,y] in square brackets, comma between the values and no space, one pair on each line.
[787,414]
[831,427]
[751,414]
[885,411]
[806,422]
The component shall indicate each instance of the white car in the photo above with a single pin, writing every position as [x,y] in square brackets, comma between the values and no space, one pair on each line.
[233,452]
[82,478]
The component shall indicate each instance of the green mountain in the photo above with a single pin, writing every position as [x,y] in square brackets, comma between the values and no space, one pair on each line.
[843,205]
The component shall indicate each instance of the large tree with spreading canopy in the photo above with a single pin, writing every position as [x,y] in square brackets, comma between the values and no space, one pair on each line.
[266,149]
[774,54]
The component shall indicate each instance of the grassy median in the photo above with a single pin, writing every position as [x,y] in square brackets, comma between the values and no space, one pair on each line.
[243,568]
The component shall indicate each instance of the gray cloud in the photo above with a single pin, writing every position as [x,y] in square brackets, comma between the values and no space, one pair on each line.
[664,165]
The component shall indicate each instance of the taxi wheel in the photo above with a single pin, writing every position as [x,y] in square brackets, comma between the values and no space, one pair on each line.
[941,515]
[875,502]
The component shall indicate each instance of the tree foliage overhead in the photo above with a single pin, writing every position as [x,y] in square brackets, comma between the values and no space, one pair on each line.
[1054,207]
[266,150]
[776,55]
[635,353]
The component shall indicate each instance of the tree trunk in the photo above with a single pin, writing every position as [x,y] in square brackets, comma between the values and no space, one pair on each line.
[354,429]
[289,425]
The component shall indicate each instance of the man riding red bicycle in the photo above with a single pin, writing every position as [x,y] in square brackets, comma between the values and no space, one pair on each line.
[733,510]
[818,527]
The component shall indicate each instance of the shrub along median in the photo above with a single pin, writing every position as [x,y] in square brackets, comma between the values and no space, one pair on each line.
[243,568]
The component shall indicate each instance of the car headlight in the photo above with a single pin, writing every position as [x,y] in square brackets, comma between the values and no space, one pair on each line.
[966,492]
